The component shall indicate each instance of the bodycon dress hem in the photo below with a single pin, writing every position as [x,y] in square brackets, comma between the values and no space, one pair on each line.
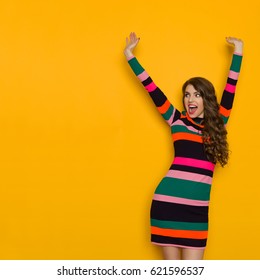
[178,246]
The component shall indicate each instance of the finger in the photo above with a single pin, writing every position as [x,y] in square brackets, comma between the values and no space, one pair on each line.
[230,40]
[132,37]
[234,40]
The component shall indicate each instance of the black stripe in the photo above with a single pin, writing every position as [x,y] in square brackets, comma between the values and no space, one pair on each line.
[158,97]
[188,123]
[189,149]
[167,211]
[227,100]
[192,169]
[232,81]
[147,81]
[179,241]
[176,116]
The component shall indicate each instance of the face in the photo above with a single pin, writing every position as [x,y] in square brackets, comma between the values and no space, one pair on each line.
[193,102]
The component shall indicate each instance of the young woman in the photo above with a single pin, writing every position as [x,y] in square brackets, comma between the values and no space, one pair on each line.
[179,211]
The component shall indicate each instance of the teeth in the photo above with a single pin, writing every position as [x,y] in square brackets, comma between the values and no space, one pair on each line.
[192,108]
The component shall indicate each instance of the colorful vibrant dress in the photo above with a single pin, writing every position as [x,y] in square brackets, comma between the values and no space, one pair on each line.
[179,210]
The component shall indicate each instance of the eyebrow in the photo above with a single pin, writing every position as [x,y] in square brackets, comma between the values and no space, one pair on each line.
[193,92]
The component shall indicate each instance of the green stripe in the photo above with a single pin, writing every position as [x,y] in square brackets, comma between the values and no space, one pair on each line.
[136,67]
[184,188]
[168,113]
[236,63]
[181,128]
[225,119]
[179,225]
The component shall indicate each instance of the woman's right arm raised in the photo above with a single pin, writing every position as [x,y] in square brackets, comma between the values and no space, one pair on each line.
[169,113]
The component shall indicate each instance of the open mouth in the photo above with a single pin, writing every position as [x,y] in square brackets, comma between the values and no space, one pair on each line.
[192,109]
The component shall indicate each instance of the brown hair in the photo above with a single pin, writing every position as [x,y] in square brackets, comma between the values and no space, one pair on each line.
[214,133]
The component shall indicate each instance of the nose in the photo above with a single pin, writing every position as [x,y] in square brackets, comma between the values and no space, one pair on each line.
[190,98]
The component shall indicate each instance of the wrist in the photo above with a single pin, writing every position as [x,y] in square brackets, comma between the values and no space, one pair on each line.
[128,54]
[238,48]
[238,52]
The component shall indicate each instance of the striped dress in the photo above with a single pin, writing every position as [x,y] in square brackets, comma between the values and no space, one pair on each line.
[179,210]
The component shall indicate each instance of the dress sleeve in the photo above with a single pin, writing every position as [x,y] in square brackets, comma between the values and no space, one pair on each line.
[229,91]
[165,108]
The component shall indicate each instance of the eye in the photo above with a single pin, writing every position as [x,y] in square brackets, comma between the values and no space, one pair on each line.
[186,94]
[198,95]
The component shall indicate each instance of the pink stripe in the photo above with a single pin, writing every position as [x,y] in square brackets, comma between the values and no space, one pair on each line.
[151,87]
[172,116]
[189,176]
[238,53]
[190,128]
[233,75]
[180,200]
[176,245]
[143,76]
[129,58]
[194,163]
[230,88]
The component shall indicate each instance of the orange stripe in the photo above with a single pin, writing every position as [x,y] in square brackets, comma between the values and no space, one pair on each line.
[163,109]
[187,136]
[223,111]
[194,234]
[191,120]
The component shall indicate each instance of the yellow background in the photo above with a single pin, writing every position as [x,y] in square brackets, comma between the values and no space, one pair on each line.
[82,146]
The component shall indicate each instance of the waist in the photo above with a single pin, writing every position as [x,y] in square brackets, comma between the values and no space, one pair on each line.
[194,163]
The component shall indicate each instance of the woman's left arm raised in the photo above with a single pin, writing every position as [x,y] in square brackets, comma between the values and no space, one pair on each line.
[230,88]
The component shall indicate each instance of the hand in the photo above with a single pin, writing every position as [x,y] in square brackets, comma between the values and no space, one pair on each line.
[238,43]
[131,43]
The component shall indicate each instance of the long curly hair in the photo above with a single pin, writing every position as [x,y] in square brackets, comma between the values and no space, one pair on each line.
[214,133]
